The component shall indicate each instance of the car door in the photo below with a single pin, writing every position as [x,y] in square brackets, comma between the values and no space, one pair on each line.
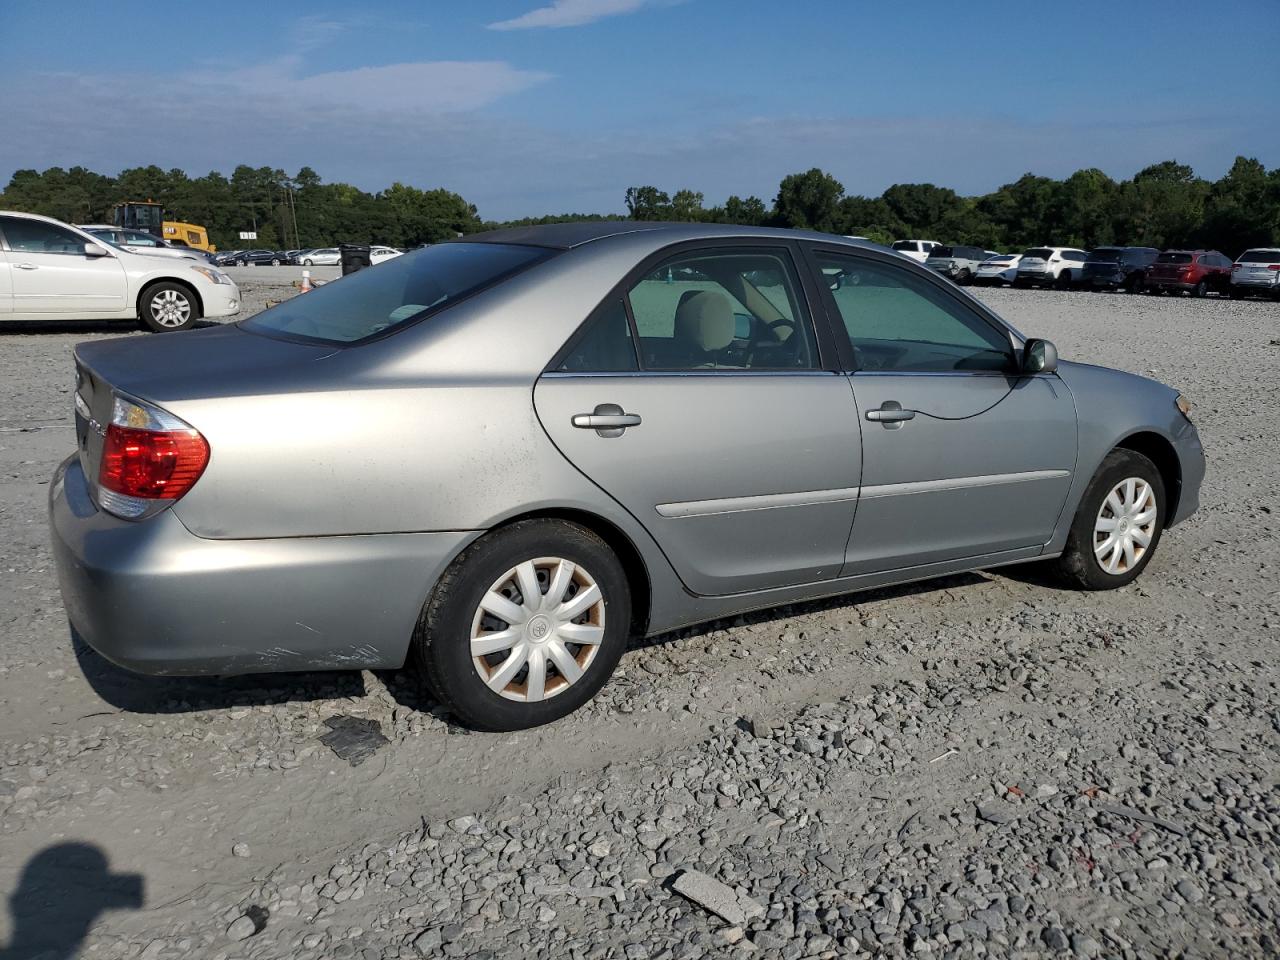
[696,396]
[50,272]
[961,457]
[6,281]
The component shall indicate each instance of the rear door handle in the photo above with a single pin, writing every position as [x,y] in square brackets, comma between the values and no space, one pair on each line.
[607,420]
[891,415]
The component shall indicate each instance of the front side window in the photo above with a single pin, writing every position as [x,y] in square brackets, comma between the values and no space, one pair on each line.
[900,322]
[402,290]
[722,309]
[36,236]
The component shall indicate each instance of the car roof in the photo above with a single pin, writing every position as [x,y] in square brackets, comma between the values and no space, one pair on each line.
[566,236]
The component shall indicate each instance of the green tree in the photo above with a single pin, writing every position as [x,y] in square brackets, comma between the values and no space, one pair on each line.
[809,200]
[648,203]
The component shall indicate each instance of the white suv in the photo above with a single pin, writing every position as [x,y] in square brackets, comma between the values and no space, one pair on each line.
[1058,266]
[50,270]
[916,249]
[1256,271]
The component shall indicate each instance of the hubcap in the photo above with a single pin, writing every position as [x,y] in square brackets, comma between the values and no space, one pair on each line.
[537,629]
[1125,526]
[169,308]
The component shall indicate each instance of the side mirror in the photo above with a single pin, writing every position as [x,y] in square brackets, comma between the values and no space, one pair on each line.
[1039,356]
[95,250]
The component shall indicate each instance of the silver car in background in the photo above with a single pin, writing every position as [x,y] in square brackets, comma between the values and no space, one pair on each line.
[1257,271]
[511,453]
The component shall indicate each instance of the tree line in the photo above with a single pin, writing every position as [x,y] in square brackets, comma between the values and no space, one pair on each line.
[1164,205]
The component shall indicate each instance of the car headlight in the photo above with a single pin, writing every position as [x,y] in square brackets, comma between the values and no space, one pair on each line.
[1183,405]
[212,275]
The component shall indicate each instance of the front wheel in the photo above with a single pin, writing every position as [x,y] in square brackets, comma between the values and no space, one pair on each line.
[307,263]
[166,307]
[525,626]
[1117,525]
[1064,280]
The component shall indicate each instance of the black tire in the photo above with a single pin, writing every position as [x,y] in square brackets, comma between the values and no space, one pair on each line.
[1200,289]
[307,263]
[275,262]
[443,637]
[964,277]
[167,307]
[1063,281]
[1079,565]
[1135,284]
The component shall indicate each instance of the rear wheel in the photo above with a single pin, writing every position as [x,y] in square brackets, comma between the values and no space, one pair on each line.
[165,307]
[307,263]
[963,277]
[525,626]
[1117,525]
[1200,289]
[275,262]
[1063,282]
[1135,284]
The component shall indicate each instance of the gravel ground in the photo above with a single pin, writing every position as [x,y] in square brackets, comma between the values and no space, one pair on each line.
[985,765]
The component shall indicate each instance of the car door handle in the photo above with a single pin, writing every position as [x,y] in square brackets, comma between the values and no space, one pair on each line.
[890,414]
[607,420]
[26,266]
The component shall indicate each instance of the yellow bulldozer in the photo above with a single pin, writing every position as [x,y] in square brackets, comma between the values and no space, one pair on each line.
[148,216]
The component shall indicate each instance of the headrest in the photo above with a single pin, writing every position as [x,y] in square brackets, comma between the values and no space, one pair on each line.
[705,319]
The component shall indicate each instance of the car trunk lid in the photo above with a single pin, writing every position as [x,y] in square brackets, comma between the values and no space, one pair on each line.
[166,368]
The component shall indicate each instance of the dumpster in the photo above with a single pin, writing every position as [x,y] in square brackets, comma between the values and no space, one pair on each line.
[354,256]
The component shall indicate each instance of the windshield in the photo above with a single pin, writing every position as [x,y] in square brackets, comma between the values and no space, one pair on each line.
[1174,258]
[1039,253]
[1260,256]
[399,291]
[1106,255]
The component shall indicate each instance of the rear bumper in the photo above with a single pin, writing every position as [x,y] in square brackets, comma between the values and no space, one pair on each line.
[154,598]
[1027,276]
[1155,284]
[1104,281]
[1259,284]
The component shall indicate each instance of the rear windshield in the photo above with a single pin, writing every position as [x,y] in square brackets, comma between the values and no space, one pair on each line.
[1003,258]
[1106,255]
[1174,258]
[396,292]
[906,245]
[1041,253]
[1260,256]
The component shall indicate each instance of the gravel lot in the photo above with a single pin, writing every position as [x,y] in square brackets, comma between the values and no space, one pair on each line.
[984,765]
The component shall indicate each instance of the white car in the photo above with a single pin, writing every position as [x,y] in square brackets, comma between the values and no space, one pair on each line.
[379,254]
[1056,266]
[998,268]
[50,270]
[916,249]
[137,241]
[323,257]
[1257,270]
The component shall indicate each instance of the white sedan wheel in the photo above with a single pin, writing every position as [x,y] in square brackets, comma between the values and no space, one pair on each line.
[170,308]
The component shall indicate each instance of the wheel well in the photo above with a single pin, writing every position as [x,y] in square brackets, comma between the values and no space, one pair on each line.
[626,552]
[177,283]
[1160,452]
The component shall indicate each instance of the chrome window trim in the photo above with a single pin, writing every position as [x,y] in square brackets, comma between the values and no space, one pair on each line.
[719,372]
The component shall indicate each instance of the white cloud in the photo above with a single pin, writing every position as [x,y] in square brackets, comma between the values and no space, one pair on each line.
[569,13]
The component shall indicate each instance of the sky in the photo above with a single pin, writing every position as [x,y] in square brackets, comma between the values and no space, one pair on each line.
[528,107]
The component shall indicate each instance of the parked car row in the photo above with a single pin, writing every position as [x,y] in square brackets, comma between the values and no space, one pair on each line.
[320,257]
[1132,269]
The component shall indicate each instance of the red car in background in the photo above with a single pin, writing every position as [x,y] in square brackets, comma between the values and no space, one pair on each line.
[1196,271]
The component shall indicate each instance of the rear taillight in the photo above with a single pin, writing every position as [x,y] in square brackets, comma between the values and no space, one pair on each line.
[1235,267]
[150,458]
[1273,266]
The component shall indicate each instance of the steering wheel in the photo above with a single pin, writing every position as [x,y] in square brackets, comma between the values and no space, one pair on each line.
[772,326]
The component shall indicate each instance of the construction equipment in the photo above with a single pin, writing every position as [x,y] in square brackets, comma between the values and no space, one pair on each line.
[149,215]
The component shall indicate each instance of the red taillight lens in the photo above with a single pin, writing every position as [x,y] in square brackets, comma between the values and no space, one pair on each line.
[152,464]
[150,458]
[1273,266]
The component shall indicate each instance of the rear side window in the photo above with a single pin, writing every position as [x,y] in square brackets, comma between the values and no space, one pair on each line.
[605,345]
[396,292]
[941,252]
[900,322]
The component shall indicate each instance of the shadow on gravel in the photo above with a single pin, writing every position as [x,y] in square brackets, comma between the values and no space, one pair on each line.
[136,693]
[63,891]
[849,601]
[1039,574]
[15,327]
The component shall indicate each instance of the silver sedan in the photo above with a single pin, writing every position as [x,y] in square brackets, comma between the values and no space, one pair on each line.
[511,453]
